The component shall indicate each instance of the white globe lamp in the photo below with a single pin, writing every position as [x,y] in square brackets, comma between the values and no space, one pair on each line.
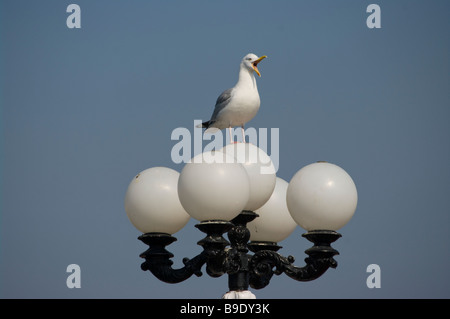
[321,196]
[260,170]
[274,223]
[213,186]
[152,204]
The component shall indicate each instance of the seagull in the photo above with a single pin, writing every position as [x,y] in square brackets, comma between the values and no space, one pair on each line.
[238,105]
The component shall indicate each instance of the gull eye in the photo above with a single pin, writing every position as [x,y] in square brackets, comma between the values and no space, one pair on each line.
[249,59]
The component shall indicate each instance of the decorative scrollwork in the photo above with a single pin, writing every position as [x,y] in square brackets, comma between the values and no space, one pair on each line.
[239,236]
[242,268]
[314,269]
[262,265]
[319,260]
[157,259]
[233,261]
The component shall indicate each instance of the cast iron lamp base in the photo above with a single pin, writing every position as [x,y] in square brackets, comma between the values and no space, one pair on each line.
[232,258]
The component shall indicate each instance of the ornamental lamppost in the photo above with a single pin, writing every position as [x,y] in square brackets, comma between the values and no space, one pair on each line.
[235,191]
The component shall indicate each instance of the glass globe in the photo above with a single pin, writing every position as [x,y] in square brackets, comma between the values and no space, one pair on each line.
[321,196]
[152,204]
[274,223]
[213,186]
[260,170]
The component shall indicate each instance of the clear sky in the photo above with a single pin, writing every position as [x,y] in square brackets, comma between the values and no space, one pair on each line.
[84,110]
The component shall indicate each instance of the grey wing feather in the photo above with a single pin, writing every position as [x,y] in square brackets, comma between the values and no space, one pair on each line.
[221,102]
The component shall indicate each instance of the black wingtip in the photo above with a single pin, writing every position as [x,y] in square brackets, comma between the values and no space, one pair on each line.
[207,124]
[203,125]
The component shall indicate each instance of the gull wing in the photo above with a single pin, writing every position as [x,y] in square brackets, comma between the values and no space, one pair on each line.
[221,103]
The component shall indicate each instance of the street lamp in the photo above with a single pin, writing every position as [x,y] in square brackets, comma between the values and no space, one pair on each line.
[235,191]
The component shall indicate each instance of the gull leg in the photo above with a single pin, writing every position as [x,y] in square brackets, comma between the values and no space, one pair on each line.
[243,133]
[231,136]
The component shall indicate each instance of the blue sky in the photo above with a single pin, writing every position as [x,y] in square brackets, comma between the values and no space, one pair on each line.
[84,110]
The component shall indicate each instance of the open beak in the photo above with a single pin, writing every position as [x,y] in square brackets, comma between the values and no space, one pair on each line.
[255,63]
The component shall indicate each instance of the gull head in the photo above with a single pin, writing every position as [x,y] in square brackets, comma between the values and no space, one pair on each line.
[250,61]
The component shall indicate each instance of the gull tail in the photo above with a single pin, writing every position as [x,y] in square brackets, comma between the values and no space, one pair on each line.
[209,128]
[204,124]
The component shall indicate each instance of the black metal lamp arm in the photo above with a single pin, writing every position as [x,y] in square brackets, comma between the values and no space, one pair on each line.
[263,262]
[157,259]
